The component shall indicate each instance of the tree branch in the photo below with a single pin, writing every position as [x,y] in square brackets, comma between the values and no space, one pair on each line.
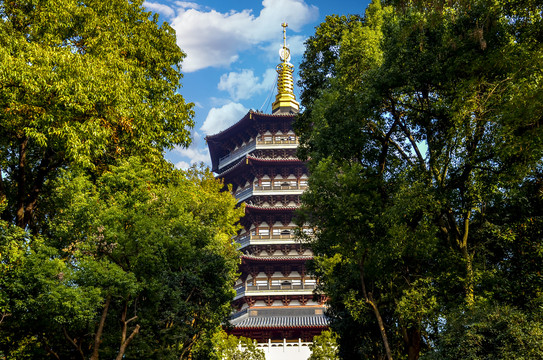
[124,329]
[2,187]
[122,349]
[72,341]
[187,346]
[407,133]
[48,348]
[47,165]
[4,315]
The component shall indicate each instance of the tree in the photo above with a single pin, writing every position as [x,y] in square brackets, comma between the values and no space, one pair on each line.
[431,114]
[230,347]
[136,264]
[324,346]
[38,298]
[491,332]
[105,249]
[82,83]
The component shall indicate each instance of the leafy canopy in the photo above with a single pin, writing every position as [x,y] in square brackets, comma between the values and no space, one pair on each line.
[83,83]
[422,125]
[146,250]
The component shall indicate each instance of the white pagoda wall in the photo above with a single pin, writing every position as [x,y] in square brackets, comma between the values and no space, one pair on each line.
[286,350]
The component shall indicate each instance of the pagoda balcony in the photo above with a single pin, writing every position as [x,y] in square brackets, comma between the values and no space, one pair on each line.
[277,142]
[236,154]
[246,240]
[247,192]
[270,290]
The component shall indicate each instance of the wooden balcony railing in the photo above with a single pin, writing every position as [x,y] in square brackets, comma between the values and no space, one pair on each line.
[250,146]
[243,193]
[283,287]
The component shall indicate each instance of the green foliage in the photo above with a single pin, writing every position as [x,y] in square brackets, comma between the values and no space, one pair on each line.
[37,292]
[324,346]
[491,332]
[105,250]
[423,137]
[83,82]
[149,250]
[230,347]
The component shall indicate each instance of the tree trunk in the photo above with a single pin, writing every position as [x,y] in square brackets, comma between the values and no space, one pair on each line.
[99,331]
[412,340]
[450,228]
[470,278]
[21,185]
[369,300]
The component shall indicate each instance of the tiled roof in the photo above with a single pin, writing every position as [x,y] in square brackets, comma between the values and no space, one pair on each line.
[270,208]
[208,137]
[271,160]
[243,161]
[277,258]
[251,114]
[238,164]
[247,123]
[281,322]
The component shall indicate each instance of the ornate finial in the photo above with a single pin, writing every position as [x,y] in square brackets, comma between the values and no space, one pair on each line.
[284,52]
[284,25]
[285,101]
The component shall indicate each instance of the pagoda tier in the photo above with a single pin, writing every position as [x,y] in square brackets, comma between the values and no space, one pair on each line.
[257,215]
[266,281]
[275,298]
[279,322]
[275,173]
[263,133]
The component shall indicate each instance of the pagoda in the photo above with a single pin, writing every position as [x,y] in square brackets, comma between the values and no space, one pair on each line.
[275,301]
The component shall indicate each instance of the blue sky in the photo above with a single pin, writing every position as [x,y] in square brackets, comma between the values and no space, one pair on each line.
[232,50]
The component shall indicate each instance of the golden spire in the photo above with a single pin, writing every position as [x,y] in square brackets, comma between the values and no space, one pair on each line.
[285,101]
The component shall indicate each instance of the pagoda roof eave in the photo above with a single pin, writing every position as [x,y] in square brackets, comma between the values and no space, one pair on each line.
[214,141]
[282,322]
[241,123]
[249,160]
[276,258]
[253,208]
[281,327]
[250,116]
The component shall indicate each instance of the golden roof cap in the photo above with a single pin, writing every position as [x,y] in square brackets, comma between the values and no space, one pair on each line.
[285,101]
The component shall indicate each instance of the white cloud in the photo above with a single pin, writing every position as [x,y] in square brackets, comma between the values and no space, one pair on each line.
[244,84]
[187,5]
[221,118]
[196,153]
[159,8]
[214,39]
[183,165]
[219,101]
